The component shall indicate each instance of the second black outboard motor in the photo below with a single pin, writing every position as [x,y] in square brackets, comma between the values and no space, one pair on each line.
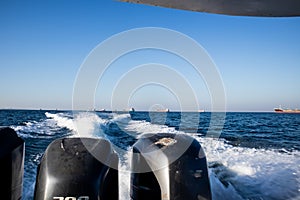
[78,169]
[11,164]
[169,167]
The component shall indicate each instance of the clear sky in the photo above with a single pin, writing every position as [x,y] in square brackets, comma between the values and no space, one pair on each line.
[43,44]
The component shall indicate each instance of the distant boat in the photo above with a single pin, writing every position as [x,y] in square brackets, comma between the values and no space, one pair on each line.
[280,110]
[102,111]
[201,110]
[163,110]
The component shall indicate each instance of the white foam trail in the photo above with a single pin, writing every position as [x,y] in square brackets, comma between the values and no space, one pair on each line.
[138,128]
[121,117]
[87,124]
[30,129]
[83,124]
[124,177]
[62,120]
[253,173]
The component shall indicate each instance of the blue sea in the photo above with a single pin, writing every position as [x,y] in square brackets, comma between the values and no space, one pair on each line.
[256,157]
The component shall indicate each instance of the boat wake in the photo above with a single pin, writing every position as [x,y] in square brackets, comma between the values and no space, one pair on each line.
[235,172]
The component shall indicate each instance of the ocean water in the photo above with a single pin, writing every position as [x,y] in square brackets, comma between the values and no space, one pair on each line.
[257,155]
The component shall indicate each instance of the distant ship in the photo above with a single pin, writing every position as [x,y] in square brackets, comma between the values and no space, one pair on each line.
[103,111]
[280,110]
[163,110]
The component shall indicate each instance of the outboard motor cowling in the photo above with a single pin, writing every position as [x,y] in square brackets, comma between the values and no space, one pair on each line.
[78,169]
[11,164]
[169,167]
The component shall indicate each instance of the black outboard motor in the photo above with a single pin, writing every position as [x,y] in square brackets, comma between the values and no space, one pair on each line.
[74,169]
[169,167]
[11,164]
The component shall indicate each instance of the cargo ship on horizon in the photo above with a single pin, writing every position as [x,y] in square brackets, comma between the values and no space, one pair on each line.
[281,110]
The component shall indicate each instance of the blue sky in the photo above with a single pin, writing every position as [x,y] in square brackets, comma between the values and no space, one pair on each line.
[43,44]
